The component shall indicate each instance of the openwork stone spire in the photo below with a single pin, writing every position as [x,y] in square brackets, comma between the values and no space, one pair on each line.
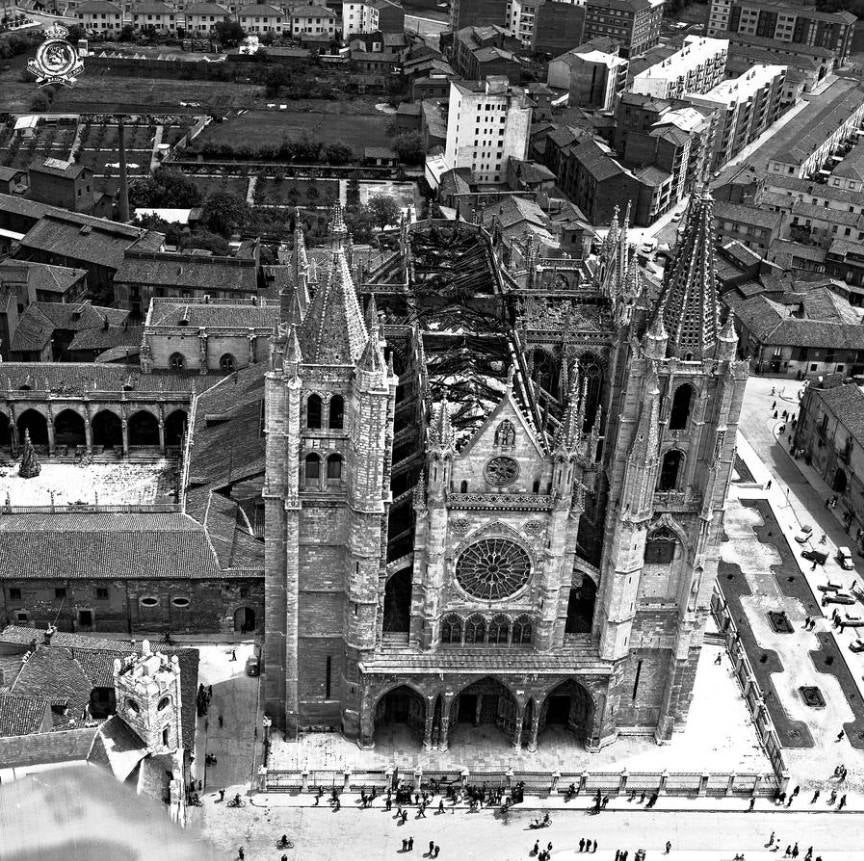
[333,332]
[569,433]
[688,304]
[30,466]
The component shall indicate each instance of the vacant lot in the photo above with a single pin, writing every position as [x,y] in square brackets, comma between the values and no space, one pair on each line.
[208,185]
[258,128]
[291,192]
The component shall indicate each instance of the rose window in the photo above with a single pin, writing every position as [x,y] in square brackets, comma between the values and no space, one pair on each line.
[493,569]
[501,471]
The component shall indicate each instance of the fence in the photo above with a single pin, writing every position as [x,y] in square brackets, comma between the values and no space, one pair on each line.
[692,784]
[750,688]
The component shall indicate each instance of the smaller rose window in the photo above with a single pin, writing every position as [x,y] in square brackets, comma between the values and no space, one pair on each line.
[501,471]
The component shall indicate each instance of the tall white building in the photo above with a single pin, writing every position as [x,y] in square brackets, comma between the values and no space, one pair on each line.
[488,123]
[698,67]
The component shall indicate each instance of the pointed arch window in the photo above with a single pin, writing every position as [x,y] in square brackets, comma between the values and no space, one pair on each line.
[499,629]
[475,630]
[337,412]
[521,631]
[451,629]
[177,361]
[313,412]
[681,405]
[670,471]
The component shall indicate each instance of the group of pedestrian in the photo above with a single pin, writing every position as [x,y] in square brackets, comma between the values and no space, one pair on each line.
[792,850]
[202,700]
[366,799]
[838,622]
[831,502]
[809,623]
[652,799]
[542,854]
[840,773]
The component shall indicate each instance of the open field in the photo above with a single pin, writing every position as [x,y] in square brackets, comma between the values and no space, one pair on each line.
[256,128]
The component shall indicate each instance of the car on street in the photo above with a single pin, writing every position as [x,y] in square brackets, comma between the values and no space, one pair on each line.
[837,598]
[844,558]
[856,646]
[253,666]
[804,534]
[815,556]
[827,587]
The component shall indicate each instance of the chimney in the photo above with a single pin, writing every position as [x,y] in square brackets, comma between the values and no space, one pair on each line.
[124,183]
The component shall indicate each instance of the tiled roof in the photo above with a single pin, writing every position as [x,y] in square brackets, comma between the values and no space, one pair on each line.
[43,278]
[37,748]
[153,8]
[22,715]
[94,544]
[102,339]
[312,12]
[33,332]
[57,167]
[212,316]
[92,240]
[78,378]
[229,443]
[73,664]
[98,6]
[743,214]
[190,271]
[847,403]
[206,9]
[261,10]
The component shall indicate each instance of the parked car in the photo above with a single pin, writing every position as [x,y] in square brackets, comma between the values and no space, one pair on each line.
[856,646]
[844,558]
[816,556]
[253,666]
[827,587]
[804,534]
[837,598]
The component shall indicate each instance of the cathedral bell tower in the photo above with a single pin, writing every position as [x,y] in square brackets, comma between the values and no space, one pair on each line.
[329,399]
[669,465]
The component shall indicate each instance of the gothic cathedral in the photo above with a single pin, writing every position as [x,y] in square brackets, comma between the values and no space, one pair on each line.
[495,486]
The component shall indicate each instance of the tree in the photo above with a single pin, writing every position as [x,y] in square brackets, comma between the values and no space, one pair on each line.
[359,222]
[409,147]
[276,78]
[229,33]
[383,210]
[224,212]
[338,153]
[165,189]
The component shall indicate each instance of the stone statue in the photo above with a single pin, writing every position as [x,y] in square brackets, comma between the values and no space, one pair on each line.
[30,465]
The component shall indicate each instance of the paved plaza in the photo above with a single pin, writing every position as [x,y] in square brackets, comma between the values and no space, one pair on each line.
[719,736]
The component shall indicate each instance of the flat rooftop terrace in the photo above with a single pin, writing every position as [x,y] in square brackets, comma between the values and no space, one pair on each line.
[89,483]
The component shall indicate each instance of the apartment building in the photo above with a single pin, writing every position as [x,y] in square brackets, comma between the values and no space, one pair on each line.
[312,21]
[385,16]
[260,18]
[488,123]
[634,24]
[696,68]
[745,107]
[100,16]
[783,23]
[593,74]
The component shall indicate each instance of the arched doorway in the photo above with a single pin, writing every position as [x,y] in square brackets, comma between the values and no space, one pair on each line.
[400,715]
[485,702]
[670,470]
[681,402]
[107,430]
[839,484]
[5,431]
[143,429]
[544,371]
[36,424]
[569,708]
[397,602]
[69,429]
[244,620]
[175,427]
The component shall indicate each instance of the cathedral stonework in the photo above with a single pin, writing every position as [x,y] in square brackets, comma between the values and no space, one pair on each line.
[495,496]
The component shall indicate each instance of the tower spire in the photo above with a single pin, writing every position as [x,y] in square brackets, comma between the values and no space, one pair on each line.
[688,303]
[570,430]
[338,230]
[333,332]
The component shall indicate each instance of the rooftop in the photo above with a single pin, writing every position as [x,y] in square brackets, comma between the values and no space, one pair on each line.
[735,90]
[846,401]
[43,277]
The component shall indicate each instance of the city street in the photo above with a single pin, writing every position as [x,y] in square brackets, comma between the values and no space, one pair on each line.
[708,835]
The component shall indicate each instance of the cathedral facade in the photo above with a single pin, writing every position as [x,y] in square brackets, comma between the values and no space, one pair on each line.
[494,487]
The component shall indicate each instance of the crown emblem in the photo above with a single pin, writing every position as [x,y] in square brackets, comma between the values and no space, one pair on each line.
[56,31]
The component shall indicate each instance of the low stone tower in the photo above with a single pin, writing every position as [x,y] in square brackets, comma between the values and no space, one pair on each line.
[147,688]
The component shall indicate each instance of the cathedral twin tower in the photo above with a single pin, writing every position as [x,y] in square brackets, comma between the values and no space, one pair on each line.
[453,539]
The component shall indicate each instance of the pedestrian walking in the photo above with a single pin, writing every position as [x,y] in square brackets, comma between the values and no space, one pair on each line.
[404,844]
[440,805]
[768,486]
[410,844]
[717,661]
[815,797]
[594,846]
[241,854]
[842,803]
[770,840]
[431,847]
[536,849]
[221,721]
[221,794]
[795,851]
[582,845]
[233,655]
[774,405]
[752,803]
[437,850]
[841,735]
[668,846]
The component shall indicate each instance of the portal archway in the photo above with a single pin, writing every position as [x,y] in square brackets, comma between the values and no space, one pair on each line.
[37,425]
[568,706]
[488,702]
[244,620]
[5,431]
[400,713]
[840,481]
[580,607]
